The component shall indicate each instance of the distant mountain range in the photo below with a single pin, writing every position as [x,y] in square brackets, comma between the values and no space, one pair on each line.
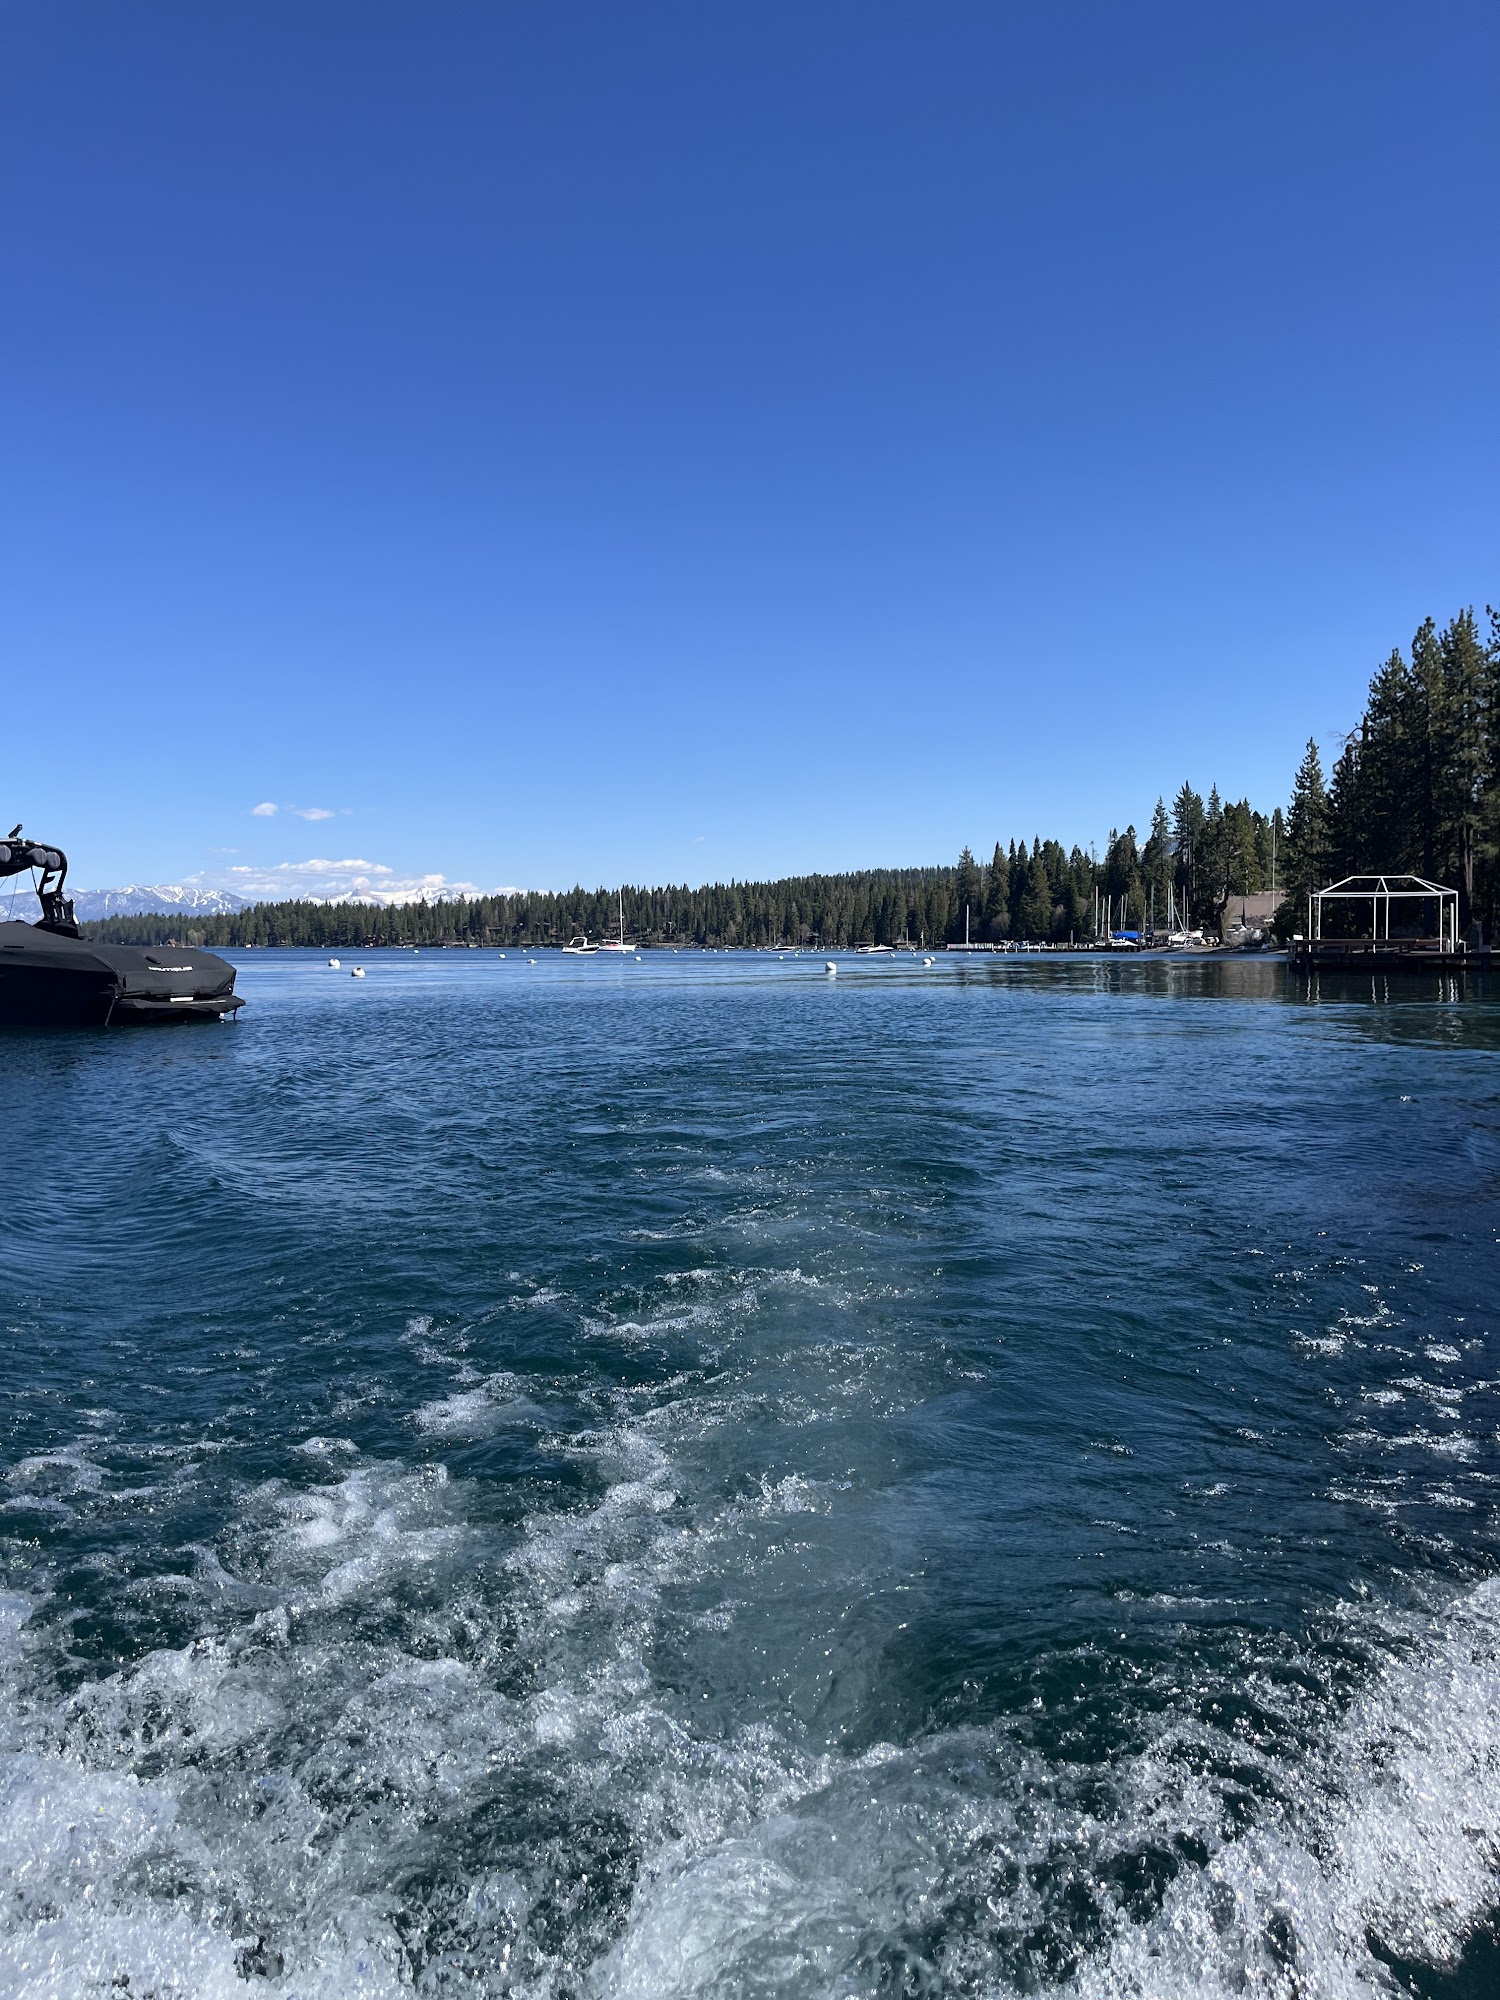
[153,899]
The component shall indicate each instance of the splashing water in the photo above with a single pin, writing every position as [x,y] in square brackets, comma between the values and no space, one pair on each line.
[689,1479]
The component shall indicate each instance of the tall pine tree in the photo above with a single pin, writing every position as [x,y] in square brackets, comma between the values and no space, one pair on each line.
[1307,830]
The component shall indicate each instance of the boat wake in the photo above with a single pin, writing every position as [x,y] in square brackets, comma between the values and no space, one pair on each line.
[432,1753]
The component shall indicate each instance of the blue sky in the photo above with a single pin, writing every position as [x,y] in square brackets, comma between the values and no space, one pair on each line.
[666,442]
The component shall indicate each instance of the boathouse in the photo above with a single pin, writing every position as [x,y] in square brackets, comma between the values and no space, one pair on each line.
[1382,922]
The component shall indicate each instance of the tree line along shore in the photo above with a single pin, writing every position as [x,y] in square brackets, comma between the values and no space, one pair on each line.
[1040,893]
[1415,787]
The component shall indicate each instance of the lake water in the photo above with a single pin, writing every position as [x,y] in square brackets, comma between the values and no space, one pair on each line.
[694,1477]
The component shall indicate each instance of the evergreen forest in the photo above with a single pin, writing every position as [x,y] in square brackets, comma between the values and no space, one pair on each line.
[1043,893]
[1415,787]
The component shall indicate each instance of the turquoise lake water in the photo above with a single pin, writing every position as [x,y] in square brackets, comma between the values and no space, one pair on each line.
[695,1477]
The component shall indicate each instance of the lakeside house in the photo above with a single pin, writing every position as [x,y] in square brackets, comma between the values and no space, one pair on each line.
[1245,918]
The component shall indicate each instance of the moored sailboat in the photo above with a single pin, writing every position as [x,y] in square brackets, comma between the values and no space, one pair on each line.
[618,945]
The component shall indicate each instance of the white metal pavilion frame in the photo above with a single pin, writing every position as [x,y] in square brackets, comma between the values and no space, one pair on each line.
[1380,891]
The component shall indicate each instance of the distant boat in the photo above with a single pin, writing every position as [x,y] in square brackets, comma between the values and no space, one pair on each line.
[578,947]
[617,945]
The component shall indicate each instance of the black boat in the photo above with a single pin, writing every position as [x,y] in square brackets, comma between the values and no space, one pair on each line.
[52,976]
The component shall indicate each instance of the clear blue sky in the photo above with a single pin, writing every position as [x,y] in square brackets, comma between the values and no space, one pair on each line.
[671,441]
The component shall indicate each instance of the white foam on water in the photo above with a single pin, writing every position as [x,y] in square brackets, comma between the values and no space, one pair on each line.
[1400,1843]
[223,1819]
[497,1401]
[379,1524]
[384,1782]
[466,1413]
[1418,1761]
[14,1612]
[891,1873]
[72,1468]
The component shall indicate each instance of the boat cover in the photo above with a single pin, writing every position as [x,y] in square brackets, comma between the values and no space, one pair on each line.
[48,977]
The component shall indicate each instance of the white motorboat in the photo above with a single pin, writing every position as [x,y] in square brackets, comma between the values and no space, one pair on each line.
[578,947]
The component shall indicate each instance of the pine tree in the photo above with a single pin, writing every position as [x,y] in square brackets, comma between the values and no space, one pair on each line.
[1156,864]
[1238,850]
[1036,906]
[1487,828]
[968,899]
[1466,751]
[1307,829]
[1022,875]
[1187,829]
[1430,716]
[1347,837]
[1384,796]
[1211,870]
[997,897]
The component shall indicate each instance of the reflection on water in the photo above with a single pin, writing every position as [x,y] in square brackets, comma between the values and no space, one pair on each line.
[1457,1006]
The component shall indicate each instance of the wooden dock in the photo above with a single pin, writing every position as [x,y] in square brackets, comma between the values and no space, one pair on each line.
[1383,955]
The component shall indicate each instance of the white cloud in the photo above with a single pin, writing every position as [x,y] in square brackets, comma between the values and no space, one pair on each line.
[349,881]
[311,812]
[265,810]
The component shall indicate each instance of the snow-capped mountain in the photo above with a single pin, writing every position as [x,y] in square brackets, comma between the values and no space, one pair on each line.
[151,899]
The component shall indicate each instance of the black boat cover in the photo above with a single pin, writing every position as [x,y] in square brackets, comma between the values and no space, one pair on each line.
[48,977]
